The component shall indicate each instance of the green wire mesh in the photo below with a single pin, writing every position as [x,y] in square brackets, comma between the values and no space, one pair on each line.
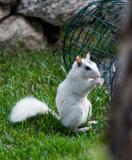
[94,29]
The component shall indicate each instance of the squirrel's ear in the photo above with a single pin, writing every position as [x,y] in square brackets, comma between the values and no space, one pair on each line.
[88,55]
[79,60]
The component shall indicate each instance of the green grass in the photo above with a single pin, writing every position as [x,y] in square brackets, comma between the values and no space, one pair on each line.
[44,138]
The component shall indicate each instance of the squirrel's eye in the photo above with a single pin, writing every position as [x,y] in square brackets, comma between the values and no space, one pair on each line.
[87,68]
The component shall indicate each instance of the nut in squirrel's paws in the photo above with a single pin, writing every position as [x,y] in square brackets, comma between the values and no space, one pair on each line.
[100,81]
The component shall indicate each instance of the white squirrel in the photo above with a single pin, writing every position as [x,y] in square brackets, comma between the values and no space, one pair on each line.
[71,100]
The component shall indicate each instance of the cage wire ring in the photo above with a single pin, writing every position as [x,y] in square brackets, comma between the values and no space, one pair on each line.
[95,29]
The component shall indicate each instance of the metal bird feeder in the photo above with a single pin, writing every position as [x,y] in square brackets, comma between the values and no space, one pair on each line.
[95,29]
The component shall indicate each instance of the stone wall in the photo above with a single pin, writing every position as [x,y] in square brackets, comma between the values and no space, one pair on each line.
[33,24]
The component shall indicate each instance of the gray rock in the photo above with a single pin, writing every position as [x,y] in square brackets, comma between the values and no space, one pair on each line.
[7,1]
[16,32]
[4,11]
[52,11]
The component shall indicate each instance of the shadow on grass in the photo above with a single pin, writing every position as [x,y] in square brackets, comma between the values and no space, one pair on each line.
[49,126]
[43,123]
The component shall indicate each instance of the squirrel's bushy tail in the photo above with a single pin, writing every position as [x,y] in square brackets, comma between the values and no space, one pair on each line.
[29,107]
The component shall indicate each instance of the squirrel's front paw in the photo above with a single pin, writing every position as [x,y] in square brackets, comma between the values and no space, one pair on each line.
[100,81]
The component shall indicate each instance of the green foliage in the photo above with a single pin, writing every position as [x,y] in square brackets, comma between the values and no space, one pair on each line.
[39,74]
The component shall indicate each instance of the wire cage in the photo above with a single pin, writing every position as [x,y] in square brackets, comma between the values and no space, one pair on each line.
[95,29]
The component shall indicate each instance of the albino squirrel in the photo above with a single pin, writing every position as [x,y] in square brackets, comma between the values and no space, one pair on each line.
[71,100]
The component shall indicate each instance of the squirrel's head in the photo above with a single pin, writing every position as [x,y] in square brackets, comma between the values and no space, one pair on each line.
[85,68]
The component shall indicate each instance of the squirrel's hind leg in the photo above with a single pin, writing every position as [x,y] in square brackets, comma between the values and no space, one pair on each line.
[79,130]
[72,119]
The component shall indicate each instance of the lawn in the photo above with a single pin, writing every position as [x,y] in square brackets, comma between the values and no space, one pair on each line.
[44,138]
